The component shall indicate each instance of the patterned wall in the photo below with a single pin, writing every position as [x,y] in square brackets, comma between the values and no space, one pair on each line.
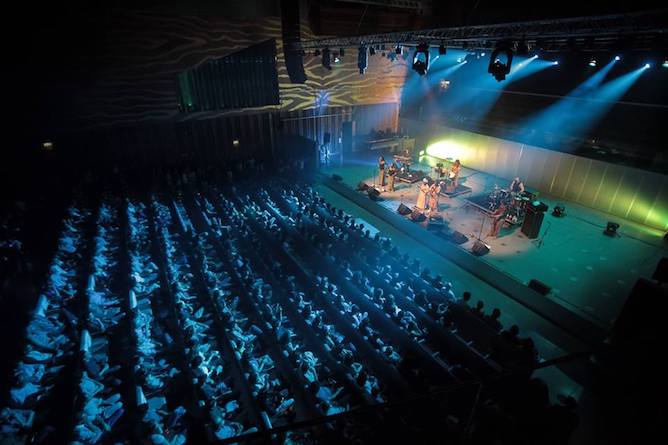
[143,52]
[627,192]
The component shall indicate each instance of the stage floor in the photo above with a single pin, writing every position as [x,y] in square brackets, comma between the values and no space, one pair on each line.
[590,274]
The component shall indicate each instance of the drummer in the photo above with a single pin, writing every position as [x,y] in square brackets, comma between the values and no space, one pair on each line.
[517,186]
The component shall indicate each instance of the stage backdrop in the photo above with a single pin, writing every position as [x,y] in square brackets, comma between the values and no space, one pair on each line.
[637,195]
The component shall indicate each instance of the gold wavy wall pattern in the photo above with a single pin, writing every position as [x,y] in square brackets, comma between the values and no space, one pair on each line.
[144,51]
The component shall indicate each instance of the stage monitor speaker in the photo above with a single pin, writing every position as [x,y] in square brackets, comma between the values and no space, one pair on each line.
[479,248]
[404,210]
[539,286]
[336,177]
[532,222]
[435,224]
[417,216]
[373,193]
[294,57]
[326,138]
[347,136]
[458,237]
[661,271]
[362,186]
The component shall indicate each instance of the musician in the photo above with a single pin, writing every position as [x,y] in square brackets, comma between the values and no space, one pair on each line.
[434,193]
[381,170]
[517,186]
[423,189]
[391,173]
[498,217]
[454,173]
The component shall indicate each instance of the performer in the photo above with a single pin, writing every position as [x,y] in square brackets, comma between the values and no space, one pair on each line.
[434,193]
[391,173]
[454,173]
[517,186]
[381,170]
[498,216]
[423,189]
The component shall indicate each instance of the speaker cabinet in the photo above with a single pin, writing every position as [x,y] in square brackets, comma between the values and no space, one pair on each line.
[533,220]
[294,60]
[479,248]
[539,286]
[404,210]
[373,193]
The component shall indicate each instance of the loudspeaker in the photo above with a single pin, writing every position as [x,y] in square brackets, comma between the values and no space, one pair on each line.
[290,22]
[417,216]
[373,193]
[479,248]
[458,237]
[404,210]
[326,138]
[336,177]
[362,186]
[435,224]
[347,136]
[661,271]
[532,221]
[539,286]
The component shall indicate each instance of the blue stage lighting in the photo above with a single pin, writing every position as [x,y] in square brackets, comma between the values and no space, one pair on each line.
[459,60]
[482,54]
[556,62]
[592,62]
[665,64]
[617,57]
[647,65]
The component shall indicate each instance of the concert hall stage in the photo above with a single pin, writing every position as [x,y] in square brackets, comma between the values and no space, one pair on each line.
[589,273]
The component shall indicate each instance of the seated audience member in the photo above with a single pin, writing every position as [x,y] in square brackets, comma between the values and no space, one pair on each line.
[492,320]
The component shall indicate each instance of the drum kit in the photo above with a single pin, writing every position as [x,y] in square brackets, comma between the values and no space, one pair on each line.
[515,203]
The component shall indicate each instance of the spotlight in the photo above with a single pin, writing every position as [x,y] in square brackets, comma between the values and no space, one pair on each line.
[592,62]
[398,50]
[326,59]
[372,50]
[421,59]
[442,50]
[665,64]
[459,60]
[444,84]
[556,62]
[497,68]
[647,65]
[559,210]
[617,58]
[611,229]
[362,59]
[482,54]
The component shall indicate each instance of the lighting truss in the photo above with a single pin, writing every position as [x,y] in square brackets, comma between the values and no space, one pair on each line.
[633,31]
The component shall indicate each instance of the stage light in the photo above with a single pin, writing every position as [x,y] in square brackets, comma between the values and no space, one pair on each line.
[497,68]
[611,229]
[617,58]
[556,62]
[444,84]
[665,64]
[421,59]
[647,65]
[326,59]
[362,59]
[559,210]
[592,62]
[236,143]
[442,50]
[459,60]
[482,54]
[337,59]
[47,146]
